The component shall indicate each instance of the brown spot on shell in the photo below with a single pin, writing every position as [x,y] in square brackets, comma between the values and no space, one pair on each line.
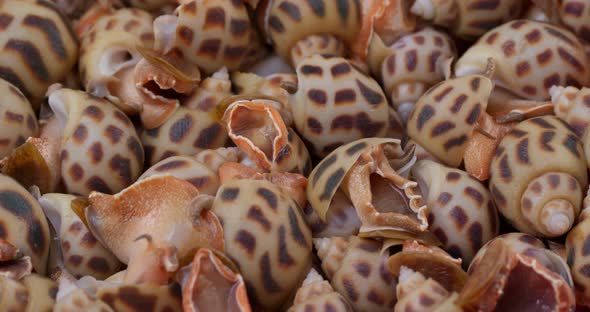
[284,258]
[98,264]
[459,216]
[113,133]
[246,240]
[215,17]
[362,268]
[350,289]
[268,281]
[230,194]
[257,215]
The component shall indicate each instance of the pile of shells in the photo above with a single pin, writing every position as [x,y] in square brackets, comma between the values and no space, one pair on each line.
[294,155]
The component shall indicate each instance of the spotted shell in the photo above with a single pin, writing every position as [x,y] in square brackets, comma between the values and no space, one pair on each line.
[336,103]
[40,47]
[577,257]
[22,222]
[317,294]
[100,149]
[212,33]
[378,166]
[461,212]
[468,18]
[506,280]
[81,253]
[357,270]
[150,5]
[186,132]
[289,21]
[32,293]
[189,169]
[530,246]
[444,118]
[108,49]
[316,44]
[267,238]
[572,105]
[159,298]
[210,92]
[415,292]
[531,57]
[529,183]
[258,129]
[575,15]
[17,119]
[415,63]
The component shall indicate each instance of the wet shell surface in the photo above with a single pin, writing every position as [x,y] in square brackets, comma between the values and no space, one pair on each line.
[536,191]
[252,212]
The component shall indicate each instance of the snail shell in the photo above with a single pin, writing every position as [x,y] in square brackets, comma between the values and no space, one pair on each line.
[461,211]
[414,64]
[100,149]
[371,174]
[506,280]
[258,129]
[537,192]
[358,271]
[40,47]
[210,34]
[444,118]
[210,92]
[82,254]
[575,15]
[31,293]
[415,292]
[529,62]
[337,103]
[467,18]
[266,237]
[288,22]
[187,132]
[17,119]
[209,284]
[533,247]
[317,293]
[571,105]
[577,257]
[180,222]
[108,55]
[22,222]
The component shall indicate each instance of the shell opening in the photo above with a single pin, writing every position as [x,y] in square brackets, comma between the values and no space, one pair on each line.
[116,59]
[214,292]
[387,198]
[539,291]
[152,88]
[257,126]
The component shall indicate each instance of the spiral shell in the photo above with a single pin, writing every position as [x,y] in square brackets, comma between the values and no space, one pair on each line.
[17,119]
[32,293]
[445,116]
[267,238]
[186,132]
[336,103]
[572,105]
[537,192]
[100,149]
[418,293]
[209,33]
[22,223]
[288,22]
[108,54]
[461,211]
[414,64]
[371,174]
[528,60]
[468,18]
[40,47]
[81,253]
[358,271]
[575,15]
[317,294]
